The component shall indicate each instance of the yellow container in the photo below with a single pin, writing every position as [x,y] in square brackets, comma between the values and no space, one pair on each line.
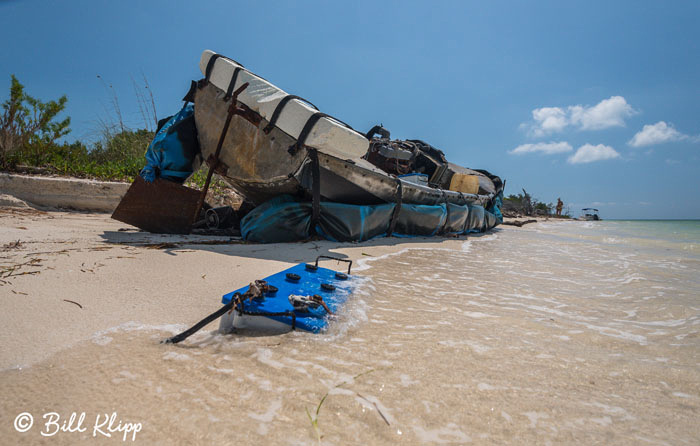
[467,184]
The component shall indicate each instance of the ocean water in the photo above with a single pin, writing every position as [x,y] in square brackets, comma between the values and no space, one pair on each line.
[554,333]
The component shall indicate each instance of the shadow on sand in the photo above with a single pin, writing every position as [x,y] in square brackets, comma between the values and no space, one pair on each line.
[292,252]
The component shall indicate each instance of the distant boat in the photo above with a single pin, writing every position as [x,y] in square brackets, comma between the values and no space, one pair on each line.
[589,214]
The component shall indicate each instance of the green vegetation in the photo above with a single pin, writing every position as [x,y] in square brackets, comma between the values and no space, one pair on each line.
[526,205]
[30,129]
[119,157]
[27,122]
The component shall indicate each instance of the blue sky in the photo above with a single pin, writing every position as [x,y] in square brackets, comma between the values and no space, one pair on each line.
[594,102]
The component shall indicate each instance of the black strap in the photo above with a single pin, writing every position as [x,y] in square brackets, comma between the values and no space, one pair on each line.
[397,208]
[210,66]
[212,61]
[315,189]
[278,110]
[201,324]
[306,130]
[232,83]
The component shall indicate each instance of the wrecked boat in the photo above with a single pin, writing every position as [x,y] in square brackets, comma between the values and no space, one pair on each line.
[304,172]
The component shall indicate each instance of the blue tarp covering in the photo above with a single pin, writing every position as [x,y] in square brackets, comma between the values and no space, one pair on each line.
[489,221]
[419,219]
[475,222]
[348,222]
[171,153]
[495,207]
[456,219]
[283,219]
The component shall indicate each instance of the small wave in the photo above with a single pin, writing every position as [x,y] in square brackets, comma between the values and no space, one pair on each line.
[102,337]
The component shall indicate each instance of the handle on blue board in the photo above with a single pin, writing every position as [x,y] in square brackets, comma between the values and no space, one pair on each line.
[335,258]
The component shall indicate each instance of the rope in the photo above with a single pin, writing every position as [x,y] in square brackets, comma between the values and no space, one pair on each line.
[237,303]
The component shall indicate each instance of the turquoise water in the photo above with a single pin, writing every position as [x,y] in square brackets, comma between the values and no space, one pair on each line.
[652,236]
[553,333]
[672,231]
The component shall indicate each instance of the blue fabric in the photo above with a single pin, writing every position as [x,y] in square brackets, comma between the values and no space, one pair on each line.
[416,220]
[166,157]
[456,218]
[489,221]
[347,222]
[284,219]
[281,219]
[475,221]
[495,207]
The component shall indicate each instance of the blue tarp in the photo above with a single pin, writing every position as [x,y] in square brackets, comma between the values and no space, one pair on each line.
[348,222]
[495,207]
[172,152]
[284,219]
[419,219]
[475,222]
[281,219]
[456,219]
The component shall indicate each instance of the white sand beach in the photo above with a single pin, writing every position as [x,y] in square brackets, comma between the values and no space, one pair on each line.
[556,332]
[119,274]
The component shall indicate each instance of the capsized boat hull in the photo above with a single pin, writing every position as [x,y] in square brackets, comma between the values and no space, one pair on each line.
[261,165]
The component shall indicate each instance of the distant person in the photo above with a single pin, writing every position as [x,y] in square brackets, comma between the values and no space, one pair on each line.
[560,205]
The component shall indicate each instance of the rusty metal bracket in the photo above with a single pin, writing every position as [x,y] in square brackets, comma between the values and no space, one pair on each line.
[221,167]
[249,115]
[233,109]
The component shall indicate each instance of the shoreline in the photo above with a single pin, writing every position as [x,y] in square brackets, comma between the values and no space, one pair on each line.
[454,341]
[76,274]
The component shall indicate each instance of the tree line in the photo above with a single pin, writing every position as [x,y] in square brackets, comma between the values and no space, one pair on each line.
[526,205]
[30,131]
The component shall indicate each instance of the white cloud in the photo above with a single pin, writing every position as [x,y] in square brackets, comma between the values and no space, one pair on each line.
[549,120]
[656,134]
[607,113]
[550,148]
[589,153]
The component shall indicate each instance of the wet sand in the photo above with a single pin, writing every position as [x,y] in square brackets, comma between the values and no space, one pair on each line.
[118,274]
[554,333]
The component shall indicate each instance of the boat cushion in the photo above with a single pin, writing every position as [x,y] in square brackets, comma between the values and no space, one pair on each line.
[327,135]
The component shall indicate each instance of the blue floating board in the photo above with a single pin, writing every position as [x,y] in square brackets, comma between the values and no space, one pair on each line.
[313,320]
